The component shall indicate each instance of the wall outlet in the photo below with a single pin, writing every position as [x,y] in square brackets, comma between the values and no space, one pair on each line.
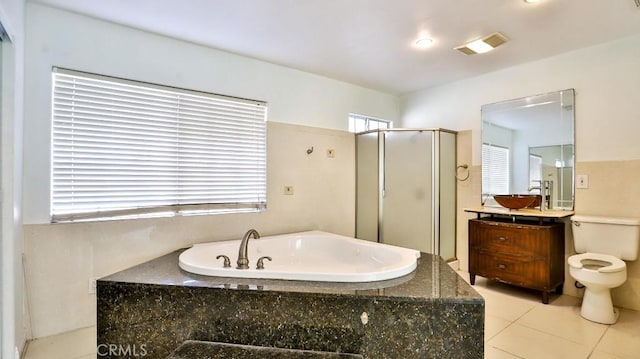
[331,153]
[582,181]
[288,190]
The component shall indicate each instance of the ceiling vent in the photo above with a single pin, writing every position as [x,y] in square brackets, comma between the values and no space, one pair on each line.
[637,3]
[483,45]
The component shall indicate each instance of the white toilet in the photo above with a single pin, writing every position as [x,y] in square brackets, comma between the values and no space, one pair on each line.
[602,244]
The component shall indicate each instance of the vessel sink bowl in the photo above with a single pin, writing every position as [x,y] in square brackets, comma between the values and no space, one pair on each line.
[536,202]
[517,201]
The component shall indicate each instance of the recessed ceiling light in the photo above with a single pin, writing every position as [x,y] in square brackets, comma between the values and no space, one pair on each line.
[424,43]
[483,45]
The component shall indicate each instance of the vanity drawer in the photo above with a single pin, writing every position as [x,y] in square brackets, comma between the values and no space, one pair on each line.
[513,238]
[523,271]
[503,240]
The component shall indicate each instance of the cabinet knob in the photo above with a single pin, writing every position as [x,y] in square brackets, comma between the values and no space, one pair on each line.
[502,239]
[502,266]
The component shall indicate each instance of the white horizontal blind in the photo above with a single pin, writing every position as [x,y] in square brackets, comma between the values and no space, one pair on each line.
[495,170]
[124,148]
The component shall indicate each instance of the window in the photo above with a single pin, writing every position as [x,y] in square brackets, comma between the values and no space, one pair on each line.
[495,170]
[359,123]
[125,149]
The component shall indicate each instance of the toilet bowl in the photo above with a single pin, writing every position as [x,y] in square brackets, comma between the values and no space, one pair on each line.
[602,243]
[599,273]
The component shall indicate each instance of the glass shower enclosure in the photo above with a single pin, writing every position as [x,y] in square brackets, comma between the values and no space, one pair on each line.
[406,189]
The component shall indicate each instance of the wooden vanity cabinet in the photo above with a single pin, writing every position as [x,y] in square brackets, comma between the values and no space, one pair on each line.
[523,253]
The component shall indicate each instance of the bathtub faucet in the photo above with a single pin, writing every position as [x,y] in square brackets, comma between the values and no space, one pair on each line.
[243,260]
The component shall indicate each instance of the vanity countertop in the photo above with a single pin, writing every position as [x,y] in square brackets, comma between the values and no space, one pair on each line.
[525,212]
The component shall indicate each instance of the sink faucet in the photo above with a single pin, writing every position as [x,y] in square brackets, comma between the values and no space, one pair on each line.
[531,188]
[546,190]
[243,260]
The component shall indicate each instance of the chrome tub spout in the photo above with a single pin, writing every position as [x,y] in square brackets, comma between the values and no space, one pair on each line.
[243,260]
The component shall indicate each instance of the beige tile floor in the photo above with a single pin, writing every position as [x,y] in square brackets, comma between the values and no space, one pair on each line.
[517,325]
[79,344]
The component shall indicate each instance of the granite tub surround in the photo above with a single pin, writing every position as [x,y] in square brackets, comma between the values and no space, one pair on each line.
[196,349]
[429,313]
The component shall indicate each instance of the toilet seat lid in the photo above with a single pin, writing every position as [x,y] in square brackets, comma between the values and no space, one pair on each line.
[617,264]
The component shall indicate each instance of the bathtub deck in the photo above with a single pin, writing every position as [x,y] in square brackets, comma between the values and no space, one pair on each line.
[431,312]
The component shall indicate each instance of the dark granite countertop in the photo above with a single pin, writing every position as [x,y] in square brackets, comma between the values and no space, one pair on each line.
[433,280]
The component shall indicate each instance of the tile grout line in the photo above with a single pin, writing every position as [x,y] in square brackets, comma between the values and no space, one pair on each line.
[570,340]
[496,334]
[512,322]
[595,343]
[595,347]
[503,351]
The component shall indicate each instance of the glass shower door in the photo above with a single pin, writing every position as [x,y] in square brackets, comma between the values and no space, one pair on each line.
[368,188]
[407,204]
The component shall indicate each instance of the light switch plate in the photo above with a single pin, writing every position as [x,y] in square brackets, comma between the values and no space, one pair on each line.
[582,181]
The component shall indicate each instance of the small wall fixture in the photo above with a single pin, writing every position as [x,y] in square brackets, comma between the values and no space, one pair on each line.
[483,45]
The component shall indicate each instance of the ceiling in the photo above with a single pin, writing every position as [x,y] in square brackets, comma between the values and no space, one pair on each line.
[370,42]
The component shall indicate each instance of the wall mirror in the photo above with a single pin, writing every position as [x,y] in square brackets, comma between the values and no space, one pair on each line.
[527,142]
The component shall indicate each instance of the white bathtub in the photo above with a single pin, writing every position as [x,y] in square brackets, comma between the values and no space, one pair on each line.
[309,256]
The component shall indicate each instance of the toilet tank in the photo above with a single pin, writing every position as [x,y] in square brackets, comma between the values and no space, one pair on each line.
[618,237]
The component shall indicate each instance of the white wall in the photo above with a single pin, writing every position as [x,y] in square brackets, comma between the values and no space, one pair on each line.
[12,73]
[606,80]
[59,38]
[607,122]
[305,110]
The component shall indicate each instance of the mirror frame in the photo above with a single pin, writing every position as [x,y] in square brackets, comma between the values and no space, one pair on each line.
[530,122]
